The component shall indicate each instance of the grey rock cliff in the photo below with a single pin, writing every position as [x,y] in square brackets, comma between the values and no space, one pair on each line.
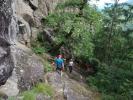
[13,57]
[7,35]
[30,14]
[67,88]
[20,21]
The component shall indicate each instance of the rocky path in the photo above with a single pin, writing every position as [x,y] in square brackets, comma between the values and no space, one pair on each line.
[67,88]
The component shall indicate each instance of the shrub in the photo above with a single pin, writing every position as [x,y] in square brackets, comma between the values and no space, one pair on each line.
[48,66]
[11,98]
[39,88]
[113,81]
[29,95]
[38,50]
[43,88]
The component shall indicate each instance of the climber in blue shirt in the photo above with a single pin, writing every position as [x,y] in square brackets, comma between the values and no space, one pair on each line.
[59,64]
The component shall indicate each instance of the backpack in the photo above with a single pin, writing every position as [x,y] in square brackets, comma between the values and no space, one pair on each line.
[59,62]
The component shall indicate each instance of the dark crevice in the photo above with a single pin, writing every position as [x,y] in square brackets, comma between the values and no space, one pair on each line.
[30,4]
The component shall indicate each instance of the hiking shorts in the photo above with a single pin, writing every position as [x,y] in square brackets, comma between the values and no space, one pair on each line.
[70,68]
[58,68]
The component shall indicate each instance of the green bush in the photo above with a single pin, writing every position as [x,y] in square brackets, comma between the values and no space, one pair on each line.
[107,97]
[11,98]
[47,66]
[44,88]
[115,97]
[39,88]
[37,47]
[29,95]
[38,50]
[113,81]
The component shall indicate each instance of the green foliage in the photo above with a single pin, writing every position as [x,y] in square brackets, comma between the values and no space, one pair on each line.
[69,3]
[39,88]
[82,19]
[38,50]
[29,95]
[103,36]
[47,66]
[44,88]
[115,97]
[113,48]
[113,81]
[11,98]
[38,45]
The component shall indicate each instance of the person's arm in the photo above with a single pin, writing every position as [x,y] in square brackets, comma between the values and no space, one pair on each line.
[63,64]
[55,62]
[73,64]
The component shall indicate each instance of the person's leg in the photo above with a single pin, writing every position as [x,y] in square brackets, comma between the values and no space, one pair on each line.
[65,67]
[70,69]
[58,70]
[61,72]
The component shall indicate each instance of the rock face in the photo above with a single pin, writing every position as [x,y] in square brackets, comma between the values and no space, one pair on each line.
[29,68]
[25,20]
[33,4]
[7,35]
[30,14]
[11,86]
[19,68]
[20,21]
[67,88]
